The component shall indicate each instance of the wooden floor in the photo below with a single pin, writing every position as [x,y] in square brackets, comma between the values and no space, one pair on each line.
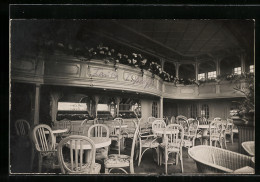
[20,161]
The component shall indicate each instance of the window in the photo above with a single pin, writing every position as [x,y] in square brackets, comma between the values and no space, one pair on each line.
[251,68]
[205,111]
[212,74]
[193,111]
[201,76]
[237,70]
[154,110]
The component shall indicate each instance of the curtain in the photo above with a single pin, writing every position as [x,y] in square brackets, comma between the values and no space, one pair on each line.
[117,100]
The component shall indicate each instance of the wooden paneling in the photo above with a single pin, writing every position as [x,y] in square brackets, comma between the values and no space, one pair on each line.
[27,66]
[62,69]
[207,89]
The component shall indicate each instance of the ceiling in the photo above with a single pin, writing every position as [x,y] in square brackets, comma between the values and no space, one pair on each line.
[172,40]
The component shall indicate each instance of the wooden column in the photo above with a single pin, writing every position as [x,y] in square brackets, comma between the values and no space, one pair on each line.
[161,107]
[217,61]
[196,65]
[243,65]
[37,104]
[177,65]
[162,63]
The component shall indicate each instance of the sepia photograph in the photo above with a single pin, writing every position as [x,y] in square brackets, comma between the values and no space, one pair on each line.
[132,96]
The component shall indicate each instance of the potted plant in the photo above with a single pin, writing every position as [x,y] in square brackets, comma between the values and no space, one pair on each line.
[245,113]
[243,118]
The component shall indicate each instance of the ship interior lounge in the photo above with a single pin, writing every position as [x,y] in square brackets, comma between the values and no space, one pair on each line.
[132,96]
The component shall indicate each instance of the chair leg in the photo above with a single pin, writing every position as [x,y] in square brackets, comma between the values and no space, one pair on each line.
[181,162]
[231,137]
[40,163]
[140,156]
[176,159]
[106,171]
[166,158]
[215,143]
[158,156]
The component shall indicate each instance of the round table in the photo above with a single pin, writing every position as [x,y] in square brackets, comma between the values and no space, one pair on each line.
[99,143]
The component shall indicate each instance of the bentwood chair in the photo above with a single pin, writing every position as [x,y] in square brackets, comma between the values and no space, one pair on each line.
[44,142]
[22,127]
[74,163]
[149,141]
[217,133]
[99,130]
[158,124]
[119,161]
[172,143]
[180,118]
[229,129]
[190,136]
[116,135]
[82,126]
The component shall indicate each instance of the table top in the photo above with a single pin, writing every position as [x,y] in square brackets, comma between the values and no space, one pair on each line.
[203,126]
[117,126]
[99,143]
[57,131]
[162,131]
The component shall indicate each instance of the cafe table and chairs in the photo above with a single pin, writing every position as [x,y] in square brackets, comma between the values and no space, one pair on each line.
[172,144]
[120,161]
[99,130]
[71,161]
[44,143]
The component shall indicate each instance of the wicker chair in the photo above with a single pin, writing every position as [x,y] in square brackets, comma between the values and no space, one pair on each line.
[190,136]
[249,147]
[216,160]
[119,161]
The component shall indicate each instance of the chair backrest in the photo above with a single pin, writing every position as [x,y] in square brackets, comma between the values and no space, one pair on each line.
[115,128]
[229,126]
[183,121]
[180,118]
[193,127]
[84,122]
[216,128]
[204,121]
[173,135]
[98,130]
[158,124]
[172,120]
[43,138]
[22,127]
[74,162]
[217,119]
